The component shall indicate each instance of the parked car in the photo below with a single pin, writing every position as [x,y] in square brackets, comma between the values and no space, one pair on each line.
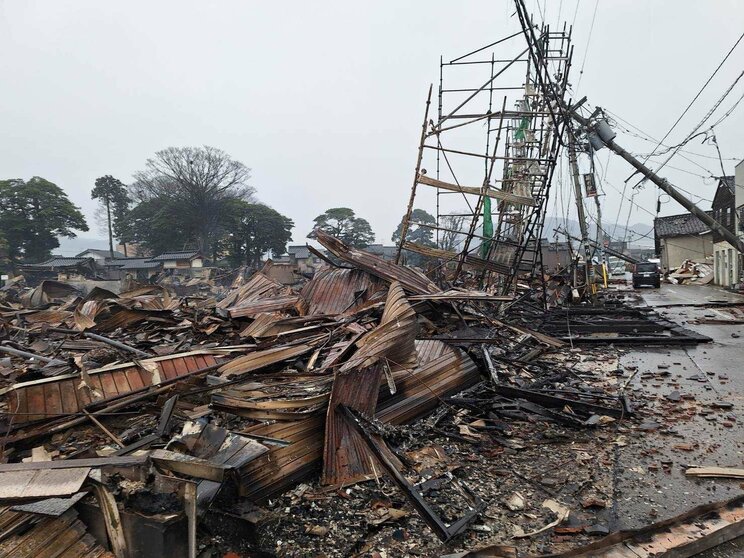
[646,273]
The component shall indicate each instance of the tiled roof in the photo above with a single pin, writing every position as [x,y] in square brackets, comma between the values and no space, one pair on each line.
[60,261]
[103,253]
[184,255]
[300,252]
[679,225]
[728,181]
[136,263]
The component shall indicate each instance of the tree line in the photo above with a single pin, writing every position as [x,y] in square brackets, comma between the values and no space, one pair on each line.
[184,198]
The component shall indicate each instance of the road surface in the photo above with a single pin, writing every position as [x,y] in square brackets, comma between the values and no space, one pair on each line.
[698,429]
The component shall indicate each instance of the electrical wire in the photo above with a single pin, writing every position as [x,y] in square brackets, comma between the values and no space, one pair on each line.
[648,137]
[705,85]
[586,48]
[694,132]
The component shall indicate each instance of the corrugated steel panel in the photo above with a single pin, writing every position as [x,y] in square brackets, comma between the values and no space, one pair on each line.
[258,286]
[357,383]
[259,359]
[18,485]
[443,371]
[62,395]
[339,291]
[33,536]
[275,304]
[413,281]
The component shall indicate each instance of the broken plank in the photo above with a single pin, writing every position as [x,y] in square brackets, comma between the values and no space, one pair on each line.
[717,472]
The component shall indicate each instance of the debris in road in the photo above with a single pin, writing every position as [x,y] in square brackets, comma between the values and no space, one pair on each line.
[715,472]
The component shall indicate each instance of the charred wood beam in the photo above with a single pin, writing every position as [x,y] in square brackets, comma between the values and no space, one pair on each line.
[441,529]
[558,402]
[26,354]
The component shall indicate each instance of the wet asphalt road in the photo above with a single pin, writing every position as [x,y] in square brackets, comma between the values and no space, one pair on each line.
[650,481]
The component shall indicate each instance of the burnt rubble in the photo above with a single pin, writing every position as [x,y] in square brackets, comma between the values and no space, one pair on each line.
[366,411]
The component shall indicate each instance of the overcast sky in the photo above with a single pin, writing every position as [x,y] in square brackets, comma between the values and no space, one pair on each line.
[324,100]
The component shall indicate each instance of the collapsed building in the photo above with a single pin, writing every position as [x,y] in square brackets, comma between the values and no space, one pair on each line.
[364,409]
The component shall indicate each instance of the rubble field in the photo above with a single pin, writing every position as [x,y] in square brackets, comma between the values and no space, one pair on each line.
[364,412]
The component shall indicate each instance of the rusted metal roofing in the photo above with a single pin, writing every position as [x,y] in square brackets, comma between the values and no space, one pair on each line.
[286,397]
[412,281]
[41,399]
[356,386]
[259,286]
[442,371]
[279,303]
[393,340]
[339,291]
[259,359]
[46,292]
[31,535]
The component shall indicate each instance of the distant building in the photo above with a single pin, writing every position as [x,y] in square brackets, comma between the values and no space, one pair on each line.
[385,252]
[682,237]
[100,256]
[555,255]
[300,256]
[739,214]
[185,262]
[725,256]
[141,269]
[64,267]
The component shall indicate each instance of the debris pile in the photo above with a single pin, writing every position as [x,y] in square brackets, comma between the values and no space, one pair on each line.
[690,272]
[361,405]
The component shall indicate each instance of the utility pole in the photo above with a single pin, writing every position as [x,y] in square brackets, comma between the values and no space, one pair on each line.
[601,134]
[579,206]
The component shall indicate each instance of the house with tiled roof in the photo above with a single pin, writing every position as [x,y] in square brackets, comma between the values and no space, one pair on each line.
[725,256]
[140,269]
[682,237]
[739,216]
[101,256]
[183,262]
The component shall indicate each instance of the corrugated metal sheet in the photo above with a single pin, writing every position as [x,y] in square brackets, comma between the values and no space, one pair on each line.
[442,371]
[63,395]
[339,291]
[259,359]
[258,286]
[25,535]
[393,340]
[18,485]
[357,383]
[274,304]
[412,280]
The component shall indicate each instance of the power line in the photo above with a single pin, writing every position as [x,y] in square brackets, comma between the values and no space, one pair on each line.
[586,48]
[694,133]
[699,92]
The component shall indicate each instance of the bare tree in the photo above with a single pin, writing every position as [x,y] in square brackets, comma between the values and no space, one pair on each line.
[449,239]
[195,184]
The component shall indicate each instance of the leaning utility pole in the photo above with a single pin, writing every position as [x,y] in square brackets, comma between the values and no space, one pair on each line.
[600,134]
[579,205]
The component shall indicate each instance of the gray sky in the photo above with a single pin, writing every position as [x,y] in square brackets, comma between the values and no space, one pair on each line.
[324,100]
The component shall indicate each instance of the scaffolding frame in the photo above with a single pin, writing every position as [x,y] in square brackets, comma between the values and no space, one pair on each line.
[521,143]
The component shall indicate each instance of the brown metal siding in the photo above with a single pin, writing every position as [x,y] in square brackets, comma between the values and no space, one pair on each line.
[47,399]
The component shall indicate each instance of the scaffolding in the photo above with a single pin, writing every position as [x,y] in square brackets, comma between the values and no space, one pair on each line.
[493,148]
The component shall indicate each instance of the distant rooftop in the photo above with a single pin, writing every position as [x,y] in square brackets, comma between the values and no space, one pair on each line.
[182,255]
[137,263]
[102,253]
[679,225]
[60,261]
